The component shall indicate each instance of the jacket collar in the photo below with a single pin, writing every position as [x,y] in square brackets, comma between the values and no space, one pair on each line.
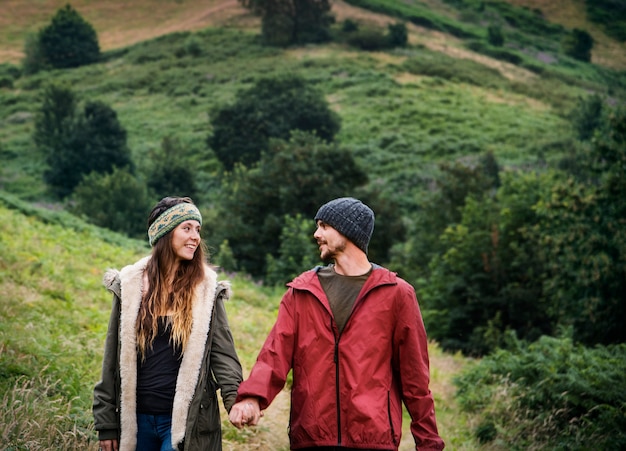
[310,282]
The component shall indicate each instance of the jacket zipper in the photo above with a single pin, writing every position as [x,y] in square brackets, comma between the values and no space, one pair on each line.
[337,385]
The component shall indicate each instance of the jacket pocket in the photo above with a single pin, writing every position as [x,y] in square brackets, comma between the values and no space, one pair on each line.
[209,419]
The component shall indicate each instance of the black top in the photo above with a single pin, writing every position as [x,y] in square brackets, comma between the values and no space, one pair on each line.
[156,375]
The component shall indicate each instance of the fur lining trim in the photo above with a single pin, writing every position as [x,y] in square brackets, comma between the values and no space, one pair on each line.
[131,278]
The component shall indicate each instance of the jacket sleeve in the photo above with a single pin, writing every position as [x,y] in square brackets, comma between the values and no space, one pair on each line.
[105,396]
[411,363]
[273,363]
[224,363]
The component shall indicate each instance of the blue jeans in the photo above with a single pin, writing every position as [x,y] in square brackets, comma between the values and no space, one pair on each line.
[154,432]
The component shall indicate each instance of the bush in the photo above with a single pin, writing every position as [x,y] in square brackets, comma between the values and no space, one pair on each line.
[69,40]
[495,36]
[272,108]
[76,143]
[297,251]
[293,177]
[116,201]
[170,174]
[398,35]
[578,45]
[369,39]
[550,394]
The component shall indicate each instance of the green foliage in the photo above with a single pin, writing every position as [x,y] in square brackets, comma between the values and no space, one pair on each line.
[442,207]
[581,238]
[578,45]
[76,144]
[454,69]
[375,39]
[495,36]
[116,200]
[398,35]
[483,281]
[68,41]
[368,39]
[272,108]
[296,252]
[171,174]
[610,15]
[285,22]
[33,60]
[418,14]
[292,177]
[551,394]
[225,258]
[588,116]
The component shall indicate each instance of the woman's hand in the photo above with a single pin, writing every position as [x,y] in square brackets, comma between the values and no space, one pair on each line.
[108,445]
[245,412]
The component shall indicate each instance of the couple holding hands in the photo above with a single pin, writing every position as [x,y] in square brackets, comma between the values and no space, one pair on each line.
[351,332]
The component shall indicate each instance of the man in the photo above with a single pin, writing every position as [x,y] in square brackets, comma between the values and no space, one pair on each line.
[352,333]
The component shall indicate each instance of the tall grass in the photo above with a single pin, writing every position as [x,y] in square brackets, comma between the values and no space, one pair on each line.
[37,415]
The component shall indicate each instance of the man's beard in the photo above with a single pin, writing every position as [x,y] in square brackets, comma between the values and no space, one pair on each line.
[329,255]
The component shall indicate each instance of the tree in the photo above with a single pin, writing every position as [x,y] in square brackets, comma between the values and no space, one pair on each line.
[170,173]
[285,22]
[69,40]
[293,177]
[55,121]
[296,253]
[487,278]
[578,45]
[398,35]
[495,36]
[588,116]
[117,201]
[75,144]
[272,108]
[442,208]
[581,238]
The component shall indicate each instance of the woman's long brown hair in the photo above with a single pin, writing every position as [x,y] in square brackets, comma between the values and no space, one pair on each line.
[161,297]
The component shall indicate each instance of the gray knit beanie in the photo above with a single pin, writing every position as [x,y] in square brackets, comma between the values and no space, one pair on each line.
[350,217]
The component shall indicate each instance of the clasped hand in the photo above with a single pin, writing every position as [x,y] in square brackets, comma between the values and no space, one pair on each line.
[245,412]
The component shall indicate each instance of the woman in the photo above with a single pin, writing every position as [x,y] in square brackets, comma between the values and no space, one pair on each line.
[168,347]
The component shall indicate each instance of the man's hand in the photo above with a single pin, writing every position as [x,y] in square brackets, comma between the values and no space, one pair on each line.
[108,445]
[245,412]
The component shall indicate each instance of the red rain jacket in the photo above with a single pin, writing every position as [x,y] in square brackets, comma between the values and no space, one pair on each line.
[348,389]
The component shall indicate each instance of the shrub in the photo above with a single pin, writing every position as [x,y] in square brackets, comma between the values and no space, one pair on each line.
[551,394]
[69,40]
[293,177]
[272,108]
[495,36]
[170,173]
[297,251]
[369,39]
[398,36]
[578,45]
[588,116]
[285,22]
[116,201]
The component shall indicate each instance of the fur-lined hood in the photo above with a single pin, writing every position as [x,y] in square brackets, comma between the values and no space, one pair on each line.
[127,284]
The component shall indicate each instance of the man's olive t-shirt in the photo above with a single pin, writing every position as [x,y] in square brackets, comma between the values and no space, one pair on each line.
[341,292]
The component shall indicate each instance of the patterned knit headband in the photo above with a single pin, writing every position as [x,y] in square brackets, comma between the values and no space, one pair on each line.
[170,218]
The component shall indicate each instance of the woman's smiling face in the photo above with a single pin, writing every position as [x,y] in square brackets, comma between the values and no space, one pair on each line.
[186,239]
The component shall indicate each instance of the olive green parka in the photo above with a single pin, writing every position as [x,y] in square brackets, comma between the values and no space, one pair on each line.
[209,363]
